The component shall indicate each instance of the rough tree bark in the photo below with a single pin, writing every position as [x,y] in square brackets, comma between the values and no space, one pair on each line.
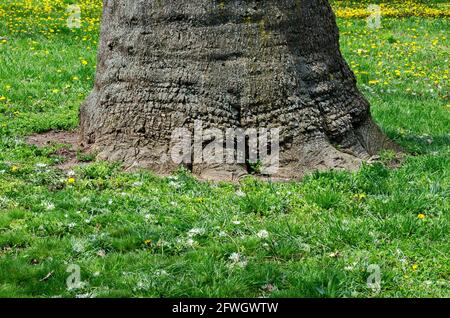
[162,64]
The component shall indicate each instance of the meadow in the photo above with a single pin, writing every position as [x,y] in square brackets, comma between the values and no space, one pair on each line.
[139,235]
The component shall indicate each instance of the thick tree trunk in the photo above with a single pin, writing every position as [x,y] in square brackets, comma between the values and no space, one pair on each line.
[167,64]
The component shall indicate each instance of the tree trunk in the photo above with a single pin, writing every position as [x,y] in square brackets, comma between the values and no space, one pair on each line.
[170,64]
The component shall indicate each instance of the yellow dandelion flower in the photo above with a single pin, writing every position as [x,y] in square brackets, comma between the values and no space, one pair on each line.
[360,196]
[14,168]
[148,242]
[84,62]
[415,267]
[2,98]
[71,180]
[421,216]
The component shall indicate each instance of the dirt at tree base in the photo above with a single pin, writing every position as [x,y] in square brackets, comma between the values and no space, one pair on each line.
[69,140]
[69,151]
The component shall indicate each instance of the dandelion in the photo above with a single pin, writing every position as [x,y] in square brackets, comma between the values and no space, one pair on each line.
[75,78]
[263,234]
[2,98]
[415,267]
[84,62]
[237,260]
[14,168]
[148,242]
[71,180]
[421,216]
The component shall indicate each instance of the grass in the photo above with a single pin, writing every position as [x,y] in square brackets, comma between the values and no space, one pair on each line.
[134,234]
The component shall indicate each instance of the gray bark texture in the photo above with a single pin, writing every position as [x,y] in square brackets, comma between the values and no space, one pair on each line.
[163,64]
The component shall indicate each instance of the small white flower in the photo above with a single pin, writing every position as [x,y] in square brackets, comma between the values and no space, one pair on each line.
[137,184]
[236,222]
[161,272]
[190,242]
[175,185]
[263,234]
[49,206]
[235,257]
[196,231]
[240,193]
[237,260]
[70,173]
[41,165]
[222,234]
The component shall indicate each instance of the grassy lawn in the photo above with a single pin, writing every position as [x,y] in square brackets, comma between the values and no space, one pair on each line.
[135,234]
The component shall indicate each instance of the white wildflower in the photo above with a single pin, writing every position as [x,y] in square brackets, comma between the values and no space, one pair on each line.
[263,234]
[49,206]
[161,272]
[240,193]
[235,257]
[237,260]
[196,231]
[175,185]
[190,242]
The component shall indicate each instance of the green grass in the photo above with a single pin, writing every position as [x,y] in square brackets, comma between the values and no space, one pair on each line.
[132,233]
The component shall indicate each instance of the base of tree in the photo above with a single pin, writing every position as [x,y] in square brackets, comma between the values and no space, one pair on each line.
[300,159]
